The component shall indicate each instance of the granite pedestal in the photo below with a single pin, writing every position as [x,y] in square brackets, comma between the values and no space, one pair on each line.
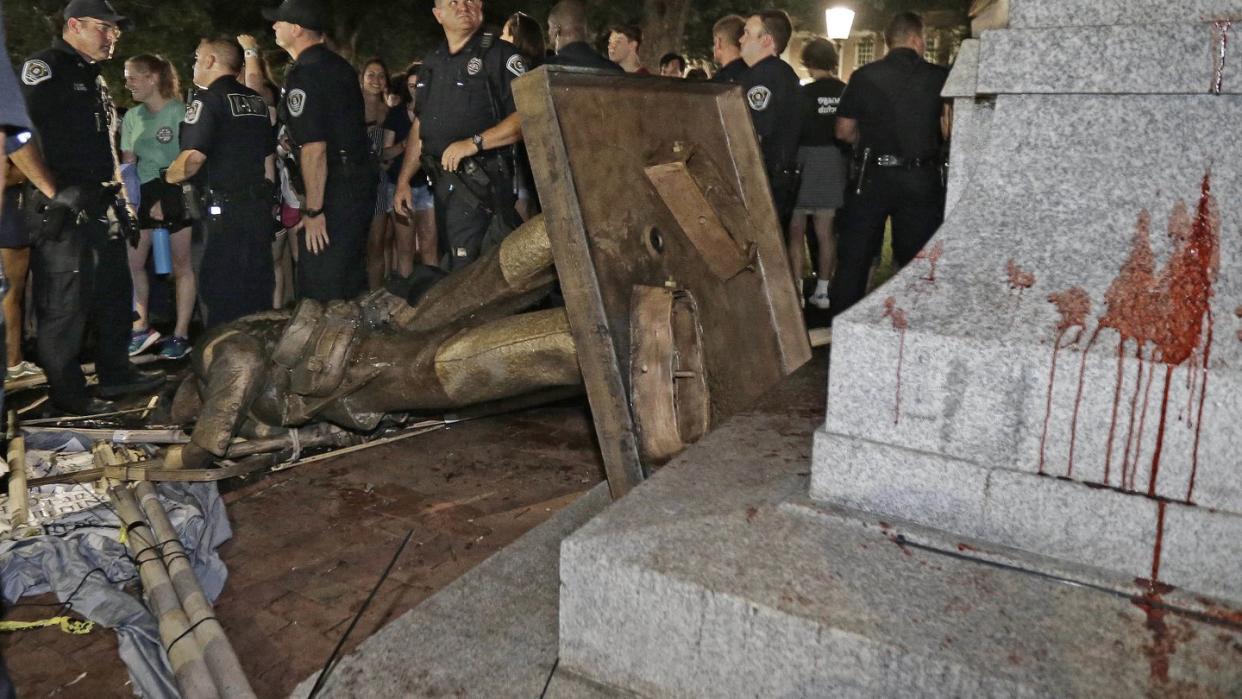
[1068,380]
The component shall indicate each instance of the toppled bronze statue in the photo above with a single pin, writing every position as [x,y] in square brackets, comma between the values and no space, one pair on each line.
[463,342]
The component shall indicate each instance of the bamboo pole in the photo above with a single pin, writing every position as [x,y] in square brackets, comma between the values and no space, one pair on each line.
[19,505]
[184,653]
[221,660]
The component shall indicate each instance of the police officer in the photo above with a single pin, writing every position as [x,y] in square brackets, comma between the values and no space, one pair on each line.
[567,33]
[322,113]
[14,133]
[893,114]
[227,147]
[80,269]
[774,97]
[466,118]
[727,49]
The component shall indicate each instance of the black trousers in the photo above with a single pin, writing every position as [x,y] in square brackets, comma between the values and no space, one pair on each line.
[913,198]
[84,275]
[339,272]
[466,226]
[236,276]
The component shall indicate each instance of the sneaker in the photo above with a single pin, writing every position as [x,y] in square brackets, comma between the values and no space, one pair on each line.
[820,301]
[23,370]
[142,340]
[175,348]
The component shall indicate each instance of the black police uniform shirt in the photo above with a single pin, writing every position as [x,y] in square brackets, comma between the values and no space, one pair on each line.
[897,104]
[72,114]
[229,123]
[466,93]
[820,100]
[323,102]
[773,94]
[731,73]
[581,55]
[13,118]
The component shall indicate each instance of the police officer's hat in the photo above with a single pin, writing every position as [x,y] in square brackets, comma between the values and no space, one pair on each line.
[311,14]
[98,9]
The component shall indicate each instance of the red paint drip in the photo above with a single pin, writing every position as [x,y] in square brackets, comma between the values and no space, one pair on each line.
[1073,305]
[1164,643]
[900,323]
[1156,550]
[1194,460]
[1138,440]
[932,255]
[1112,423]
[1019,279]
[1082,372]
[1138,387]
[1164,412]
[1220,51]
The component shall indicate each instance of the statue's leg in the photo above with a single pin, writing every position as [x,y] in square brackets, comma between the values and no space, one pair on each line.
[504,358]
[504,280]
[508,357]
[234,365]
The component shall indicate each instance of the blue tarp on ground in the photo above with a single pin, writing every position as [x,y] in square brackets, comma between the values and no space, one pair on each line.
[81,560]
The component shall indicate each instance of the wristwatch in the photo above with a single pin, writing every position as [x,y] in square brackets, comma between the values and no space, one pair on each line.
[250,53]
[478,141]
[313,213]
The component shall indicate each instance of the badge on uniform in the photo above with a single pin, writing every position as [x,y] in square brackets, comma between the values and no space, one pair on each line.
[164,135]
[515,65]
[193,112]
[296,101]
[474,66]
[35,71]
[758,97]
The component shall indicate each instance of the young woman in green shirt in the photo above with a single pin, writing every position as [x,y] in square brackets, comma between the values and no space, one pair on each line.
[149,140]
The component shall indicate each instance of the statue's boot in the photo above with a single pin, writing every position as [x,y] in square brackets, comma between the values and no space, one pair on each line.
[507,279]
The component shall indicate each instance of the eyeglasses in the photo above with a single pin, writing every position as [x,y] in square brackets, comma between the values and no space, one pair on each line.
[104,27]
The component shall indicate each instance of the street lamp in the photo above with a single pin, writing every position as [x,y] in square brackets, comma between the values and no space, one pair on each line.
[839,20]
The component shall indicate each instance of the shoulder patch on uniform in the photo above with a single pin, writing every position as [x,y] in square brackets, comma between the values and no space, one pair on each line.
[242,105]
[35,71]
[758,97]
[296,99]
[474,66]
[193,112]
[516,65]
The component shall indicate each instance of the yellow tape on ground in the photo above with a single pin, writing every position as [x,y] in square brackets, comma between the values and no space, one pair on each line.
[68,625]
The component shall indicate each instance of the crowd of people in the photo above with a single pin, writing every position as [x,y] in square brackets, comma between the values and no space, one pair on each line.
[252,194]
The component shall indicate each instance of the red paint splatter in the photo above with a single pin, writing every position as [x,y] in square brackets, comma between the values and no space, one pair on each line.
[932,255]
[751,512]
[900,323]
[1168,314]
[967,547]
[1019,279]
[1220,51]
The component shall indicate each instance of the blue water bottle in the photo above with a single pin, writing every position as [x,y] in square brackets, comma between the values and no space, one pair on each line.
[161,249]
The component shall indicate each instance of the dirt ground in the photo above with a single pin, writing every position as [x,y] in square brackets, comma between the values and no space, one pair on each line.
[310,543]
